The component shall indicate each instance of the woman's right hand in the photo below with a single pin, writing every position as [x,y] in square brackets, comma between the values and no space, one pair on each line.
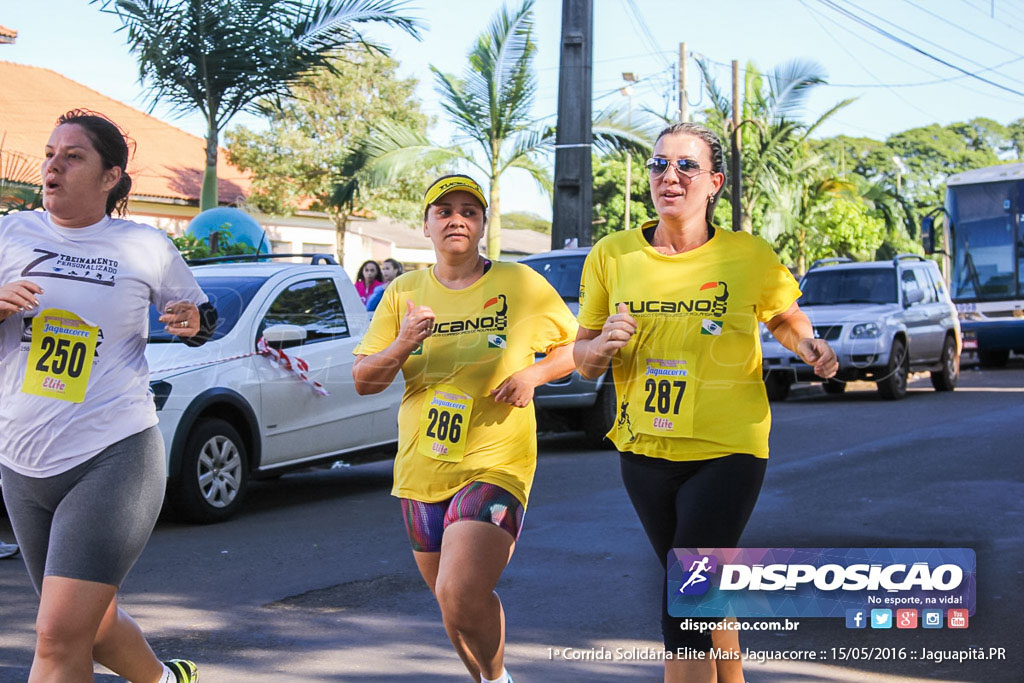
[417,325]
[18,296]
[617,331]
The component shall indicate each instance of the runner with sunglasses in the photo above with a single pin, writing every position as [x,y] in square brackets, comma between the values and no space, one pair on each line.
[674,308]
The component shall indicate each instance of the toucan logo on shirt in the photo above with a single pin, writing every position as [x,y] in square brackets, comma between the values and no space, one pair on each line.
[712,299]
[493,319]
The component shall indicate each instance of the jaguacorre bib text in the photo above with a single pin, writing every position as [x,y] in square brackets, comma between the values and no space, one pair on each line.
[444,423]
[60,357]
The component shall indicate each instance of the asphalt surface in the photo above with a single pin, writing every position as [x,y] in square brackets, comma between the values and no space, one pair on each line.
[315,581]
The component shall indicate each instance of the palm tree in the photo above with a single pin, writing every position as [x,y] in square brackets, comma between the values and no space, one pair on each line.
[21,185]
[490,106]
[222,56]
[772,144]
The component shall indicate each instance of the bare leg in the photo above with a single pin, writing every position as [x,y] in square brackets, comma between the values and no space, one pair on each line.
[729,670]
[121,647]
[428,564]
[473,556]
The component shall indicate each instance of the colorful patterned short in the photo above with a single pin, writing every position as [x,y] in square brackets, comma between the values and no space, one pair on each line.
[425,522]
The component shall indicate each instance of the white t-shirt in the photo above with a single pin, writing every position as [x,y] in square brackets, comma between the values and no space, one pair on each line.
[107,274]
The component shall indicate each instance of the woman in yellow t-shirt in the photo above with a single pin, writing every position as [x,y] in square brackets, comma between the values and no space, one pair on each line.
[465,334]
[674,308]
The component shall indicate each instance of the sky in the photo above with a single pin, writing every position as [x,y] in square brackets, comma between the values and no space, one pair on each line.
[895,87]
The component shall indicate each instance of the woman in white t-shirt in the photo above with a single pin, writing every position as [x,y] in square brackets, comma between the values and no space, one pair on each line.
[82,460]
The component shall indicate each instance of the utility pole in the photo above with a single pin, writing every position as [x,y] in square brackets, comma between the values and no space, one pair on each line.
[684,115]
[572,211]
[737,164]
[629,77]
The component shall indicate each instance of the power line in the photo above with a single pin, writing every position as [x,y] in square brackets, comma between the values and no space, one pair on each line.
[930,42]
[877,29]
[958,26]
[858,62]
[645,32]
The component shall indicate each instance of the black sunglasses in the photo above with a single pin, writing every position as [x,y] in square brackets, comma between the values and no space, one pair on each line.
[686,167]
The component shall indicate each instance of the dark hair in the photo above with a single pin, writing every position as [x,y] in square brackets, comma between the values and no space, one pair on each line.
[435,181]
[112,145]
[713,143]
[396,265]
[359,273]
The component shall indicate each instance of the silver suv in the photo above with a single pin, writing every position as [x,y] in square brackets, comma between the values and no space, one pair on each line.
[883,318]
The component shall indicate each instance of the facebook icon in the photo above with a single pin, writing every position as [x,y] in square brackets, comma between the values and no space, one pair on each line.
[856,618]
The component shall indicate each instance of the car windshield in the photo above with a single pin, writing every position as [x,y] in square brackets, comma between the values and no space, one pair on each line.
[849,286]
[230,296]
[563,272]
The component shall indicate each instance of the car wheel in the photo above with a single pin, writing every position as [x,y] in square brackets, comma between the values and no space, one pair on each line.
[598,419]
[833,386]
[777,386]
[214,473]
[946,378]
[993,359]
[894,385]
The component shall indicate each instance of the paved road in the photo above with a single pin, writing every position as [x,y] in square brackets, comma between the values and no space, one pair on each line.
[315,582]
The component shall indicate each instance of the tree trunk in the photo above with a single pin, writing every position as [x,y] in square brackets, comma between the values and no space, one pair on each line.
[494,223]
[801,261]
[208,198]
[340,228]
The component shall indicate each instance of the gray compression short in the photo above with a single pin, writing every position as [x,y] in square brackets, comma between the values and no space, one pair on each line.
[91,522]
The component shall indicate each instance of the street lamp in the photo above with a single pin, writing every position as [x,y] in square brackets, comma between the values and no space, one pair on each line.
[628,92]
[901,168]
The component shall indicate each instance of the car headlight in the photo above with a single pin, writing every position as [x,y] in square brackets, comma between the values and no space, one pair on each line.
[865,331]
[970,315]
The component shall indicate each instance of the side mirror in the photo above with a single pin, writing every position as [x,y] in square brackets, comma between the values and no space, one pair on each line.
[928,234]
[284,336]
[912,296]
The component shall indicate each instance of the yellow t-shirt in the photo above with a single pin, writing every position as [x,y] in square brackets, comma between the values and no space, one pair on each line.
[482,335]
[689,382]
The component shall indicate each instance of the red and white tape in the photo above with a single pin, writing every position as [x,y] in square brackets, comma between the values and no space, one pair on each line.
[286,362]
[276,356]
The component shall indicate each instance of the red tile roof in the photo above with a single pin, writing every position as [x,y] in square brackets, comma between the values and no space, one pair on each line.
[9,33]
[168,162]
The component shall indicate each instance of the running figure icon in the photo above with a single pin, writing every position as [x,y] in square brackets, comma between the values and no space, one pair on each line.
[696,573]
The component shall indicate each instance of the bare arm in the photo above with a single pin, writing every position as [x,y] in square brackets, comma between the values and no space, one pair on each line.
[594,348]
[794,331]
[373,374]
[518,388]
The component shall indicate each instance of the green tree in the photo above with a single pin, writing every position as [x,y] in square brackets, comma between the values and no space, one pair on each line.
[309,149]
[490,106]
[524,220]
[222,56]
[772,139]
[933,153]
[609,213]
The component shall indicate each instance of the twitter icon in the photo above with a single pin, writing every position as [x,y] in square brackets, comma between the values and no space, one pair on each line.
[881,618]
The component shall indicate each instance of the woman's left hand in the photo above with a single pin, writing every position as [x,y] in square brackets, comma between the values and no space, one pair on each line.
[818,353]
[516,390]
[181,318]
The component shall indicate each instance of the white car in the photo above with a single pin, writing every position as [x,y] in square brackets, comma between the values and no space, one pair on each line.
[883,318]
[230,414]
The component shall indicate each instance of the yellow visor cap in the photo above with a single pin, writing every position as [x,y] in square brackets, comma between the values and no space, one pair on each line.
[451,184]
